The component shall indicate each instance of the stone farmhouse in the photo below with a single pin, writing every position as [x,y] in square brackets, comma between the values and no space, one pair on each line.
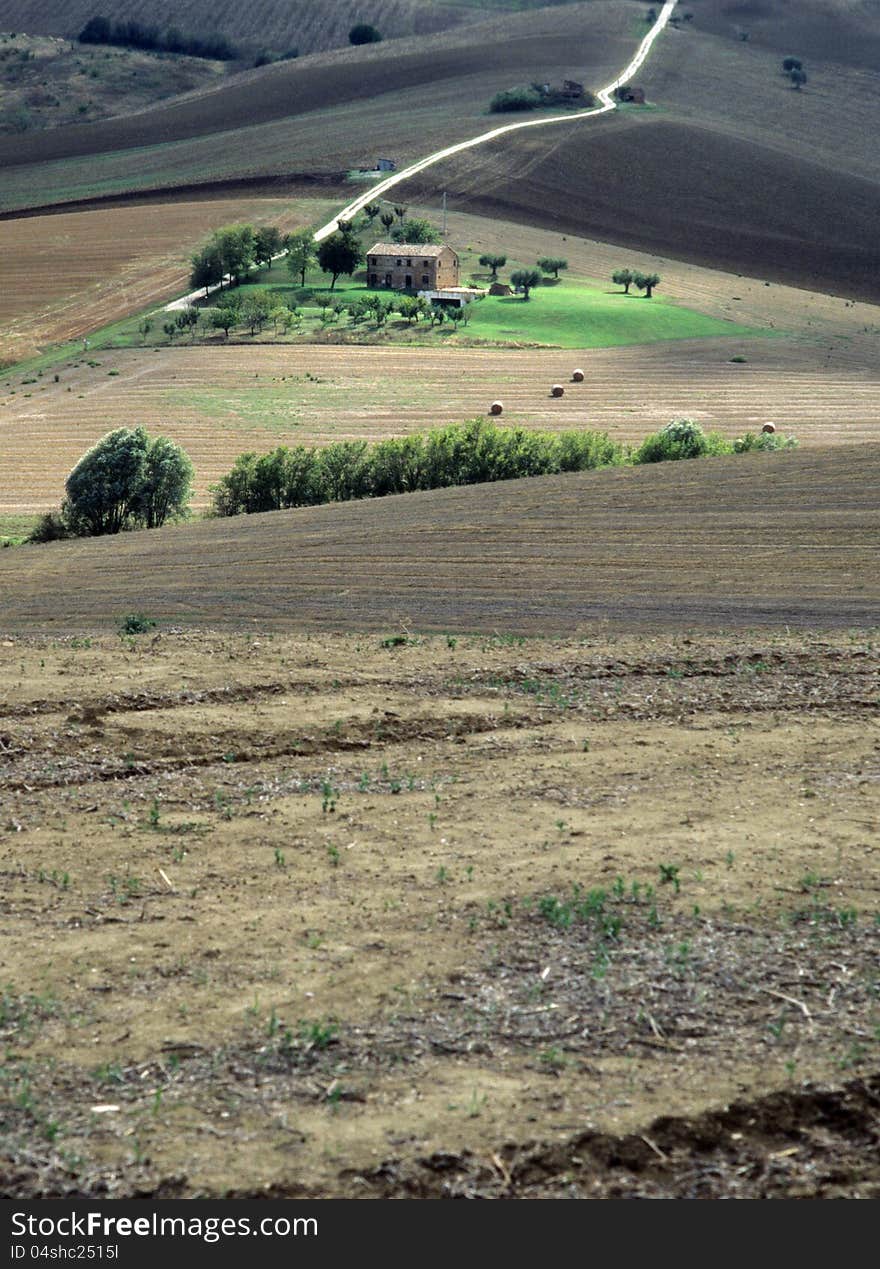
[404,266]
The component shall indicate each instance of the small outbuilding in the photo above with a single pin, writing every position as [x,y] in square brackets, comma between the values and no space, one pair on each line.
[386,165]
[500,288]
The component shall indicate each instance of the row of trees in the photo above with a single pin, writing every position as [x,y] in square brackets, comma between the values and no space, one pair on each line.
[531,96]
[398,227]
[475,452]
[127,481]
[259,306]
[525,280]
[100,30]
[634,277]
[547,264]
[233,252]
[130,480]
[469,453]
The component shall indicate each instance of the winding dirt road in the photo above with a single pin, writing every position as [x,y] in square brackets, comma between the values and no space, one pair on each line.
[605,95]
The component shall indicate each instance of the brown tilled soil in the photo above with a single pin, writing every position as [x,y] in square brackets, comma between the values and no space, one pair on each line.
[727,165]
[688,191]
[218,402]
[450,916]
[502,51]
[754,540]
[66,276]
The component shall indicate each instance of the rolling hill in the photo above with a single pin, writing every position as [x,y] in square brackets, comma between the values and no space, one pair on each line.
[687,176]
[755,541]
[310,25]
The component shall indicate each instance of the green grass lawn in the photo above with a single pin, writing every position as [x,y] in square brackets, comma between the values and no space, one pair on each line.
[574,314]
[15,528]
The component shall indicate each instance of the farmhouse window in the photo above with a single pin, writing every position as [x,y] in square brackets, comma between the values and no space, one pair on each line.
[409,264]
[372,259]
[425,264]
[425,279]
[399,263]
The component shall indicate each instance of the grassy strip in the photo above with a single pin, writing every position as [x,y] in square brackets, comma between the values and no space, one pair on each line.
[15,529]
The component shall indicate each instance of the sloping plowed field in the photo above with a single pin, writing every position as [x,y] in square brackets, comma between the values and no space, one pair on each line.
[64,276]
[757,540]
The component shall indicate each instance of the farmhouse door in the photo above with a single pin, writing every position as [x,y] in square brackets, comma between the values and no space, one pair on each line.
[409,281]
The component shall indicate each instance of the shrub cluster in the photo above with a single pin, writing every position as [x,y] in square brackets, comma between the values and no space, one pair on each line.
[529,97]
[126,481]
[100,30]
[683,438]
[460,454]
[521,98]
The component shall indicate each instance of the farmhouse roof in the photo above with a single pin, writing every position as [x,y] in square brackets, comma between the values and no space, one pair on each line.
[423,249]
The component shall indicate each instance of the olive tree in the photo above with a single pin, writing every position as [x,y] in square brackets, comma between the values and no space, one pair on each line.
[552,264]
[525,279]
[646,282]
[494,263]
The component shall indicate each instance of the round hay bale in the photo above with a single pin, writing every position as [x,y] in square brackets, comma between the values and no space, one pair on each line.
[496,408]
[577,376]
[557,390]
[769,427]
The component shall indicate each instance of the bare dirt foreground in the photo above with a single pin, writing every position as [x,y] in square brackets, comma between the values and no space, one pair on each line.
[403,915]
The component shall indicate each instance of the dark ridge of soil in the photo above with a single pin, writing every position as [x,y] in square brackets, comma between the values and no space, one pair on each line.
[282,185]
[813,1143]
[745,541]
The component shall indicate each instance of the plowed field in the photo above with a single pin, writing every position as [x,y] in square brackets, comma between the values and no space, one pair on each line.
[454,917]
[64,276]
[752,540]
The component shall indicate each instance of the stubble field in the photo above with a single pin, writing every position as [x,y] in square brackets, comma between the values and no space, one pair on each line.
[439,916]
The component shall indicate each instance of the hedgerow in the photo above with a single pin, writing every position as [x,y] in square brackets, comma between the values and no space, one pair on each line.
[460,454]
